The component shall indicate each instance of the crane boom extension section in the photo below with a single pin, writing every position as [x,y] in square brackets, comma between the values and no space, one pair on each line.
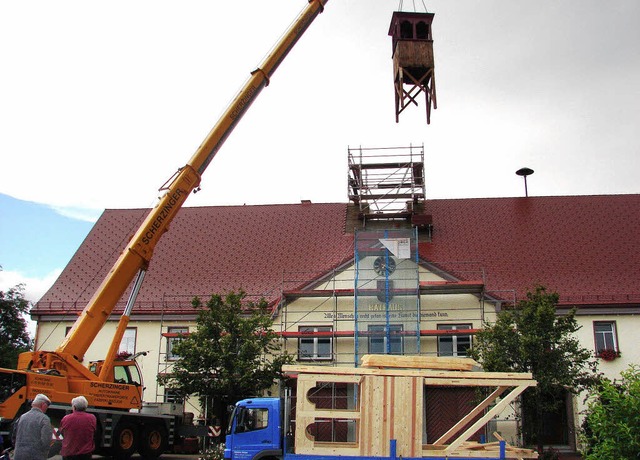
[137,254]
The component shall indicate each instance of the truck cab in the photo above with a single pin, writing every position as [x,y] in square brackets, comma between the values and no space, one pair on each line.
[255,430]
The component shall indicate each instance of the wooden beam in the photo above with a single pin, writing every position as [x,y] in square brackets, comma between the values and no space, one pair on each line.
[419,362]
[471,415]
[495,410]
[330,414]
[514,377]
[475,382]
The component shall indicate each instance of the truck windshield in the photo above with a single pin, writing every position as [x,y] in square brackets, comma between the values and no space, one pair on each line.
[231,419]
[134,375]
[252,419]
[127,374]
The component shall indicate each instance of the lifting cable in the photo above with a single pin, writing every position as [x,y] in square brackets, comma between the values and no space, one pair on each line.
[414,6]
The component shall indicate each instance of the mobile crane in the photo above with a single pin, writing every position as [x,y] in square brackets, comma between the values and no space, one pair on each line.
[114,387]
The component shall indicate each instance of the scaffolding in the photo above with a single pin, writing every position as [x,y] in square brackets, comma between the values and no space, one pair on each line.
[386,293]
[337,319]
[386,183]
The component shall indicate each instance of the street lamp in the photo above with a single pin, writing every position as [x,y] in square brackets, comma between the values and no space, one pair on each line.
[524,172]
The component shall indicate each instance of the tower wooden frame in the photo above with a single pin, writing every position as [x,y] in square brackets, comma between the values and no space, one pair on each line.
[413,63]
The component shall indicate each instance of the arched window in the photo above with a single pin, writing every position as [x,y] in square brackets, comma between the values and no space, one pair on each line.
[406,30]
[422,30]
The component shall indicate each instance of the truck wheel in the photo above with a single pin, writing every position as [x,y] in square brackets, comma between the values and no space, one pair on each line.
[125,437]
[154,441]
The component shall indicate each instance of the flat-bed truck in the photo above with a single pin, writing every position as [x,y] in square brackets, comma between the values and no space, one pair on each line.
[373,412]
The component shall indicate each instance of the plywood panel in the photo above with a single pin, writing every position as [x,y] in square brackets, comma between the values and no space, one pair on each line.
[372,429]
[405,415]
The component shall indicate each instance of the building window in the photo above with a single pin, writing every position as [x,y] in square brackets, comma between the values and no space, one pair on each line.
[174,337]
[128,342]
[172,396]
[383,341]
[454,345]
[605,336]
[315,347]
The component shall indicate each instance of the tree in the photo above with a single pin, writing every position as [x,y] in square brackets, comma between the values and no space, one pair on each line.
[232,354]
[14,338]
[531,337]
[611,428]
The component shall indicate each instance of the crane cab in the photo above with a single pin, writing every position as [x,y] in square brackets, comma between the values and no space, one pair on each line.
[126,372]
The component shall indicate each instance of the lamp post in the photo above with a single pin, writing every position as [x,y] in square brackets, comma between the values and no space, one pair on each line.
[524,172]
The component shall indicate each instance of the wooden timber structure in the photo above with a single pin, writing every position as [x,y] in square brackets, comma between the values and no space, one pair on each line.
[389,404]
[413,63]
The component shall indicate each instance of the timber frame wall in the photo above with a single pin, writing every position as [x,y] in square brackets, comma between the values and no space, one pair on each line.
[389,406]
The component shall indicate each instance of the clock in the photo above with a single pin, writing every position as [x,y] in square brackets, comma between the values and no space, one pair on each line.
[381,267]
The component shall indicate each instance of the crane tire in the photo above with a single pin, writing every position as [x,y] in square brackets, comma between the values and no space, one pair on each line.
[153,441]
[125,440]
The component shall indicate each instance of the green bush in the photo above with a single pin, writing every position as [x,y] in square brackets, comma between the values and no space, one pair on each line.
[611,429]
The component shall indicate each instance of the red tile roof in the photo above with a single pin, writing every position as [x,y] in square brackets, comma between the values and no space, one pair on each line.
[587,248]
[209,250]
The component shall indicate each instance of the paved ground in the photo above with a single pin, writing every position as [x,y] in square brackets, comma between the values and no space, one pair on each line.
[163,457]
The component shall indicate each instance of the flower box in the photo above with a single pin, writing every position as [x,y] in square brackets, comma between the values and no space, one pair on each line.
[608,354]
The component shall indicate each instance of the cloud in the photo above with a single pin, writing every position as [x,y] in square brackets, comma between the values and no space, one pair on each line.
[34,287]
[83,214]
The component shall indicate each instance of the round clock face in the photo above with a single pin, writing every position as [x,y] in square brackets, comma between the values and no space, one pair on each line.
[381,266]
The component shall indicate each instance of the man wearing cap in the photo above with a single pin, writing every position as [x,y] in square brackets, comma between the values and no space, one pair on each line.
[32,432]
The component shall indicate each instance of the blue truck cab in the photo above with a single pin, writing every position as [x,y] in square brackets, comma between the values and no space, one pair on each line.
[255,430]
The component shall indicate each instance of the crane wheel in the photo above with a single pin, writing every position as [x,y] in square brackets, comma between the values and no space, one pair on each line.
[154,441]
[125,440]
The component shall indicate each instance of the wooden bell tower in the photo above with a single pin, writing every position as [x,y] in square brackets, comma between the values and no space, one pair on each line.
[413,71]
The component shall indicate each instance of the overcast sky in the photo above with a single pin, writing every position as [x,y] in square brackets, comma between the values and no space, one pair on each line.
[100,102]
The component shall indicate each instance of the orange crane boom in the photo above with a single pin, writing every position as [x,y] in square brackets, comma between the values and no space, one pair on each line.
[114,387]
[137,255]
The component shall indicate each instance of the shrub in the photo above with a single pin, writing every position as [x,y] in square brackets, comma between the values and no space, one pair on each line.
[611,429]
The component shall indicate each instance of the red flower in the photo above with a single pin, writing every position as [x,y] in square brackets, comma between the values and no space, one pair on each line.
[123,355]
[608,354]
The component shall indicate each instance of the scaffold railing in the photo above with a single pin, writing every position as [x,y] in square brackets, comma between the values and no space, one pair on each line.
[386,182]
